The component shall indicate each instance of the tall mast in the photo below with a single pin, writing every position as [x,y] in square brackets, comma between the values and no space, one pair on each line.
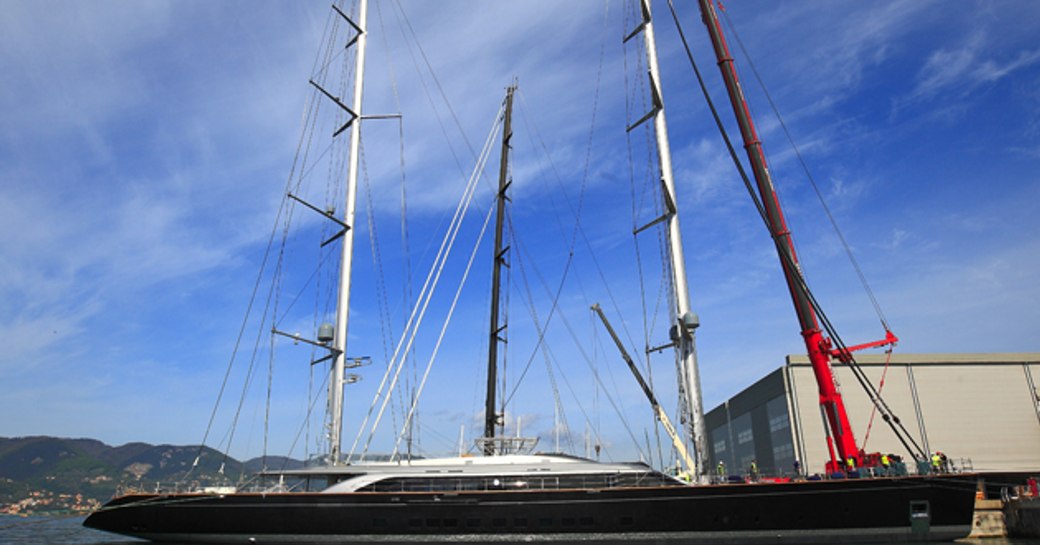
[816,344]
[490,411]
[685,320]
[343,303]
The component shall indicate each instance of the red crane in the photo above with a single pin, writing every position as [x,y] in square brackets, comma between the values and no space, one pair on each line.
[819,347]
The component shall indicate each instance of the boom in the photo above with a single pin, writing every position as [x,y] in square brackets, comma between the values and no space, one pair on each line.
[677,442]
[817,345]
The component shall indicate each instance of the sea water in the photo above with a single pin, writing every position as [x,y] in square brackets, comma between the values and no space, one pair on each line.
[40,530]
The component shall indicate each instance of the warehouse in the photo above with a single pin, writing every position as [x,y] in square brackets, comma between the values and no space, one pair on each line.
[981,410]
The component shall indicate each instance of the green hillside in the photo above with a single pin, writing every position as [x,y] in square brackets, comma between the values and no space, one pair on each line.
[53,467]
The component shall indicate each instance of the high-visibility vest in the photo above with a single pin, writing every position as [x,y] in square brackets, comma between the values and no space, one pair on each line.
[884,460]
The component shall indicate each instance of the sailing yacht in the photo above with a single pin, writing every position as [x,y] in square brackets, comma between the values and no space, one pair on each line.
[510,497]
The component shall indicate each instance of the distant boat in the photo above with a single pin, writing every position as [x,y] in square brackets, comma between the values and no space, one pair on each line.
[509,497]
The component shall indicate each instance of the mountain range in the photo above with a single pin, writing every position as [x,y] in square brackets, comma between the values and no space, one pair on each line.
[96,470]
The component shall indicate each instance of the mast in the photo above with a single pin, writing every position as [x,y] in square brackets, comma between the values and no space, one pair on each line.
[343,302]
[490,412]
[818,346]
[685,320]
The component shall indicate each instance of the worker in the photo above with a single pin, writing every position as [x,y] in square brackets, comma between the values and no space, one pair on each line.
[721,470]
[754,471]
[850,464]
[797,469]
[886,464]
[936,462]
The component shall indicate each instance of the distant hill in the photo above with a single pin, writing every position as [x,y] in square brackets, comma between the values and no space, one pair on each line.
[96,470]
[272,462]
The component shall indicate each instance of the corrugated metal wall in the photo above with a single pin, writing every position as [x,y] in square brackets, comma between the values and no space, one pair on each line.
[982,407]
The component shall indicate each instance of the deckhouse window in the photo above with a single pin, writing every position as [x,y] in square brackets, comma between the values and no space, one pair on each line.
[456,483]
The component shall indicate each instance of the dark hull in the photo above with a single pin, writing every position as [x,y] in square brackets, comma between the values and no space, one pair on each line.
[869,510]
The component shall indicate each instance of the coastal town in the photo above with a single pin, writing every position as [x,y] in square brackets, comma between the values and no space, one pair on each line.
[43,475]
[45,502]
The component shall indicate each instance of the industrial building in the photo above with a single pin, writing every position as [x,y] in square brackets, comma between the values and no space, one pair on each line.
[981,410]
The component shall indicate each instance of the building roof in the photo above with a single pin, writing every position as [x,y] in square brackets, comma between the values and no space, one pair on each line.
[995,358]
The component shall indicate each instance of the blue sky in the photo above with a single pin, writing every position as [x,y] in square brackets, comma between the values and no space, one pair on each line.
[144,148]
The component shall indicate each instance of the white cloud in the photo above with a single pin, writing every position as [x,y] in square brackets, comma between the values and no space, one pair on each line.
[966,68]
[70,65]
[118,177]
[835,45]
[895,240]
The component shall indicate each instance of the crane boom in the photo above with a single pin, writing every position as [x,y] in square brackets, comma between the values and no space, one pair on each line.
[677,442]
[817,345]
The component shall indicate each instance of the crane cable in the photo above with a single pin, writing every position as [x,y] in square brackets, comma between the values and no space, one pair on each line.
[887,415]
[881,386]
[808,174]
[834,224]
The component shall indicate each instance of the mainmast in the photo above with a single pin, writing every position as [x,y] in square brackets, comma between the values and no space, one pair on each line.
[491,416]
[336,382]
[818,346]
[685,321]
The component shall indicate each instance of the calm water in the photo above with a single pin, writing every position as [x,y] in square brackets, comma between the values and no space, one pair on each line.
[69,531]
[54,531]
